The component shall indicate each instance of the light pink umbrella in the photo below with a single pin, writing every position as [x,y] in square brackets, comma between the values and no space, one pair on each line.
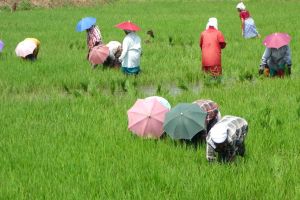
[277,40]
[25,48]
[98,54]
[146,118]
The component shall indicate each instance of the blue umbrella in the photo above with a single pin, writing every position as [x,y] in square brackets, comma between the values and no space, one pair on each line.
[1,45]
[85,23]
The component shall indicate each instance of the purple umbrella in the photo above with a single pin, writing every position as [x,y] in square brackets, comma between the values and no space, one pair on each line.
[1,45]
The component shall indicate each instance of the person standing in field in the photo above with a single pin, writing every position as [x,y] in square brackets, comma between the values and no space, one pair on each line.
[115,50]
[211,43]
[94,38]
[248,26]
[226,139]
[131,49]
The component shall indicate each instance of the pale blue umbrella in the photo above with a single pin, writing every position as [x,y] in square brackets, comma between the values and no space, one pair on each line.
[85,23]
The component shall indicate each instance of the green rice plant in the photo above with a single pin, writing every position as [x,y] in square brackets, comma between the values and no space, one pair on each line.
[64,127]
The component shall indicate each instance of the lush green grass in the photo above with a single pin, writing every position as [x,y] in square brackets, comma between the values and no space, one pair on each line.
[63,126]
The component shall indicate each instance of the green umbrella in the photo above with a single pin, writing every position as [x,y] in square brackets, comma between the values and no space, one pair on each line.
[184,121]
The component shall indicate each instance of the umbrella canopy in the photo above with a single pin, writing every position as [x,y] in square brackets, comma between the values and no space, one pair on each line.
[128,26]
[85,23]
[184,121]
[1,45]
[161,100]
[25,48]
[145,118]
[98,54]
[277,40]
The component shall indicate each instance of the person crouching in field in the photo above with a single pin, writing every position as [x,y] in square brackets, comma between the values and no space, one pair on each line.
[35,53]
[213,112]
[226,139]
[213,116]
[248,26]
[28,49]
[115,50]
[94,38]
[211,43]
[276,61]
[131,53]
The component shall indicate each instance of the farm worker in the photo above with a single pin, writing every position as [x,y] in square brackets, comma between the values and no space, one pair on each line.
[213,112]
[131,48]
[26,46]
[94,38]
[213,116]
[36,50]
[277,61]
[248,25]
[115,50]
[131,53]
[227,139]
[211,43]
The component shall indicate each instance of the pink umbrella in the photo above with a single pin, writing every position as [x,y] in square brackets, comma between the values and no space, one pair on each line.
[128,26]
[277,40]
[98,54]
[146,118]
[25,48]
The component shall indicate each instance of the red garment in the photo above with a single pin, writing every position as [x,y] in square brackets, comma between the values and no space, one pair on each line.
[213,70]
[211,43]
[244,14]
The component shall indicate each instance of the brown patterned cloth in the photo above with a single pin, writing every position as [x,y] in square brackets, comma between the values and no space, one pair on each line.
[209,106]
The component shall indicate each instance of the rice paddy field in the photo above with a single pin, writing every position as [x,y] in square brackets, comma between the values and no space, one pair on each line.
[63,126]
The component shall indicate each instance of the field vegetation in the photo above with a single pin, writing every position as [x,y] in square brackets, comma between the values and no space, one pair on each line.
[63,126]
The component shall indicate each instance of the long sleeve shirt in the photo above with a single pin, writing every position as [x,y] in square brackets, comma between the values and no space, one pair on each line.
[236,129]
[93,37]
[275,57]
[211,43]
[131,51]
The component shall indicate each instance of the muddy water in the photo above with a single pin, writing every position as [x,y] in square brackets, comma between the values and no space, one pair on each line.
[172,89]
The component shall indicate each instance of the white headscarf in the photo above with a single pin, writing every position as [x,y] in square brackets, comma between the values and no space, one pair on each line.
[218,133]
[212,22]
[241,6]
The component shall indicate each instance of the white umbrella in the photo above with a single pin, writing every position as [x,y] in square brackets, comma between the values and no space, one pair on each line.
[161,100]
[25,48]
